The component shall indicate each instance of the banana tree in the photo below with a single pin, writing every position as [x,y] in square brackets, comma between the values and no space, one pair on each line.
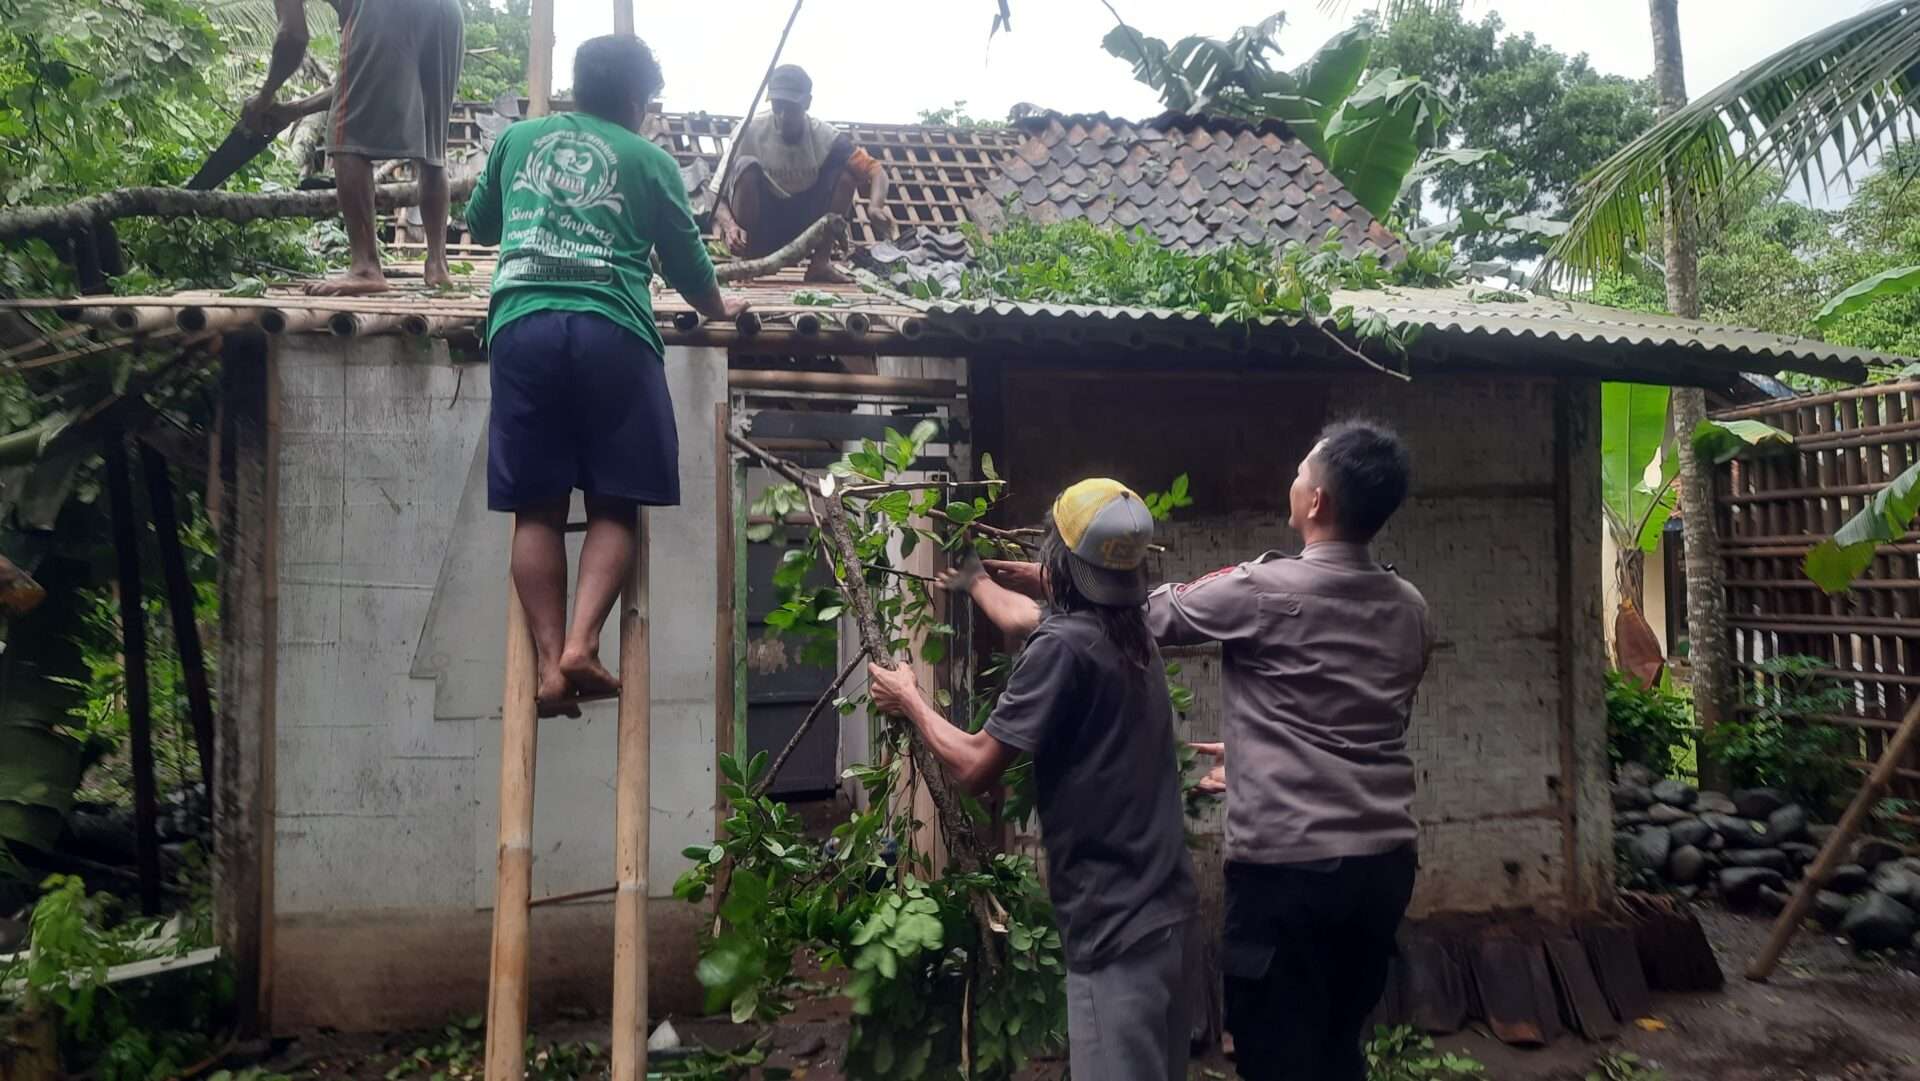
[1638,498]
[1835,562]
[1370,129]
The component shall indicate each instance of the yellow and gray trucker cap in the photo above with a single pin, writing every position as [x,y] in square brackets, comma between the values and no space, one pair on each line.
[1107,529]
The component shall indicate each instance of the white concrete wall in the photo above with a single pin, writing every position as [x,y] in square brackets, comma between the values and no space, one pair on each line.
[393,578]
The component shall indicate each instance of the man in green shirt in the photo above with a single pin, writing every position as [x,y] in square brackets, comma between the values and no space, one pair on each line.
[577,203]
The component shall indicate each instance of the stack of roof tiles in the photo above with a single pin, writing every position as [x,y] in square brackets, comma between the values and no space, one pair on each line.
[1192,183]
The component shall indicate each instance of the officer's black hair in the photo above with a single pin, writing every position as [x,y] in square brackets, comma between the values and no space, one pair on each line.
[1125,626]
[612,74]
[1364,465]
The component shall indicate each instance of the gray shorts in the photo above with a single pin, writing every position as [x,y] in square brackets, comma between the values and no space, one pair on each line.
[1127,1019]
[399,70]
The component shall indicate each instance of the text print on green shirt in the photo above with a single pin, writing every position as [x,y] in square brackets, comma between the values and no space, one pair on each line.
[570,171]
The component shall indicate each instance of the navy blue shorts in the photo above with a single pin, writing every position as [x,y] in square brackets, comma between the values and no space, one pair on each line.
[579,401]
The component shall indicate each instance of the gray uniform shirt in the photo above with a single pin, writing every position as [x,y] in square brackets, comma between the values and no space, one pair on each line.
[1322,654]
[1101,734]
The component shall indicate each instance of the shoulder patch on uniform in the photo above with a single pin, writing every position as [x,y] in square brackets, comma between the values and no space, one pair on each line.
[1205,578]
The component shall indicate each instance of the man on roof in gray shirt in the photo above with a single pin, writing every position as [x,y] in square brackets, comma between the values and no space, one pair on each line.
[1322,653]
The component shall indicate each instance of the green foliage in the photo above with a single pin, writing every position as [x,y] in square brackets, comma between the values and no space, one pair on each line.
[1403,1054]
[99,94]
[1162,504]
[1856,297]
[864,901]
[1633,427]
[1779,742]
[1548,118]
[137,1031]
[1624,1066]
[906,937]
[1835,95]
[1835,562]
[1895,819]
[457,1053]
[499,40]
[956,116]
[1077,262]
[101,715]
[1645,724]
[1368,126]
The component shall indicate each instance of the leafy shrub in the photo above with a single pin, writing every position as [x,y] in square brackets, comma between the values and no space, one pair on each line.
[1401,1054]
[1779,745]
[1644,724]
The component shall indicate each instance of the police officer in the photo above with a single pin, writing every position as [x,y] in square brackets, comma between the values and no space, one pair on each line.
[1322,654]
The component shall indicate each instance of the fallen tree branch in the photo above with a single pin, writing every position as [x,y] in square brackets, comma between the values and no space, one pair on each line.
[55,222]
[825,231]
[968,854]
[760,786]
[1357,354]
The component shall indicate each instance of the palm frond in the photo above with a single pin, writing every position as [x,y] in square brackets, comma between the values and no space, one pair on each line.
[252,24]
[1840,95]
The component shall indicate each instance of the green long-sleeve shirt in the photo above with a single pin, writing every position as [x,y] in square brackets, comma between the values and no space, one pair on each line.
[577,204]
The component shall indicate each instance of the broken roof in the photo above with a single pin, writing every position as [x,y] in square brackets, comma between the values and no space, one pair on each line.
[1192,182]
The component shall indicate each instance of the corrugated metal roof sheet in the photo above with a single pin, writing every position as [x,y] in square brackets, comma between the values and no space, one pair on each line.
[1479,313]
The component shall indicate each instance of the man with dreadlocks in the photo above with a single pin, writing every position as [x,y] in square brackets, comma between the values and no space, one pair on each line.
[1088,700]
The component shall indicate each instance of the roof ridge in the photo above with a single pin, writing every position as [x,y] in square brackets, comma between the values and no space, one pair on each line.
[1170,120]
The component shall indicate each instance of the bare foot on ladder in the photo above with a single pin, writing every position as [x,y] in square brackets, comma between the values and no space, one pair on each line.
[586,676]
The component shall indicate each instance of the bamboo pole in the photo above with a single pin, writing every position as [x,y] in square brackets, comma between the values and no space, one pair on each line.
[540,60]
[363,325]
[631,814]
[141,320]
[513,883]
[292,320]
[133,631]
[197,318]
[1833,852]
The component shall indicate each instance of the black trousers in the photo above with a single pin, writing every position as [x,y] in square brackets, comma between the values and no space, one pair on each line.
[1306,955]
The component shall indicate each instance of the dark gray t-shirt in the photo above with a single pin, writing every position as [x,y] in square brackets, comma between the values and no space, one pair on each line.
[1101,734]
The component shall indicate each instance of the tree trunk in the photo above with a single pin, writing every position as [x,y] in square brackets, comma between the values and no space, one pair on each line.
[83,215]
[1706,576]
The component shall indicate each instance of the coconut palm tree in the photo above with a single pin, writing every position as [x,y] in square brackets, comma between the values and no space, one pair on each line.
[1817,109]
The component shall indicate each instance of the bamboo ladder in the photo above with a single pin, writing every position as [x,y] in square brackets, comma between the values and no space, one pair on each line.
[507,998]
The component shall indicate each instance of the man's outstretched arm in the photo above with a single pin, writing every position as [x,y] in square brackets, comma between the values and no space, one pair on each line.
[975,759]
[1007,593]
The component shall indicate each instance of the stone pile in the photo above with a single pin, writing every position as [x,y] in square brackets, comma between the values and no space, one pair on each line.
[1748,848]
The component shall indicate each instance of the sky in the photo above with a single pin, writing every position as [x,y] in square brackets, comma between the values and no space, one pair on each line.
[885,60]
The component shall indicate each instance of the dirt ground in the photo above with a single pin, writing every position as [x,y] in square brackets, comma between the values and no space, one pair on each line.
[1826,1015]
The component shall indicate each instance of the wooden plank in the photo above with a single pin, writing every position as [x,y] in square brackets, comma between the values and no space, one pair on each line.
[1579,989]
[133,638]
[180,605]
[249,625]
[1616,962]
